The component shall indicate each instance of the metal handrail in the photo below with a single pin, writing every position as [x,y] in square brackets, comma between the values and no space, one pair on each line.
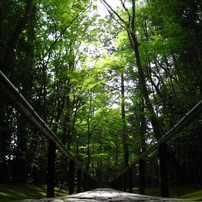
[15,98]
[9,92]
[190,116]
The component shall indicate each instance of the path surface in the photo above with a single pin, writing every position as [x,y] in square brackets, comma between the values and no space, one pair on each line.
[103,195]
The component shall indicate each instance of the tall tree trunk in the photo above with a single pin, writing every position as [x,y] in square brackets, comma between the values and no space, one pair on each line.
[117,150]
[124,132]
[153,117]
[142,126]
[21,161]
[88,149]
[130,28]
[4,140]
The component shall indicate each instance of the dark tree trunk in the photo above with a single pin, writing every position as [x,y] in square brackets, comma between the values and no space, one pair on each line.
[21,161]
[124,132]
[141,176]
[163,170]
[51,169]
[71,177]
[4,137]
[153,117]
[3,167]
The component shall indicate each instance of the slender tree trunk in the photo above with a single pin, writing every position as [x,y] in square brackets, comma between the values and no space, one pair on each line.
[88,149]
[3,166]
[153,117]
[21,161]
[124,132]
[142,126]
[67,139]
[5,140]
[117,151]
[130,28]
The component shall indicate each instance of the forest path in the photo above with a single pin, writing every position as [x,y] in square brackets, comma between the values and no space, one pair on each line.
[103,195]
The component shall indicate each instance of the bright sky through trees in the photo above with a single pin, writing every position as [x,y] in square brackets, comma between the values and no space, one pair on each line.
[103,11]
[114,4]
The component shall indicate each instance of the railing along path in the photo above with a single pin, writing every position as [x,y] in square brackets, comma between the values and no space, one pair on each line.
[15,99]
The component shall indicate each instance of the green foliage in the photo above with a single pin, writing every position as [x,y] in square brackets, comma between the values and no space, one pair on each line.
[68,62]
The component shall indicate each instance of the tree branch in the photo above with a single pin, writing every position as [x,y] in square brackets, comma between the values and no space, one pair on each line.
[124,6]
[133,17]
[5,63]
[64,30]
[61,34]
[118,16]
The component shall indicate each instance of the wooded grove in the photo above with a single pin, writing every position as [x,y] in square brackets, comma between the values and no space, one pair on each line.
[109,83]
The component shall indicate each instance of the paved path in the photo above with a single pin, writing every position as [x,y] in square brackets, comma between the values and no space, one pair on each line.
[103,195]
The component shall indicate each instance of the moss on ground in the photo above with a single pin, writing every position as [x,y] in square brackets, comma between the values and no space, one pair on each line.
[22,191]
[189,192]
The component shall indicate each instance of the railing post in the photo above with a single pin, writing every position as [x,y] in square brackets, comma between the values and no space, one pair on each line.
[71,177]
[92,184]
[124,181]
[79,180]
[163,170]
[95,184]
[51,169]
[88,182]
[141,176]
[84,181]
[118,183]
[115,184]
[121,183]
[130,180]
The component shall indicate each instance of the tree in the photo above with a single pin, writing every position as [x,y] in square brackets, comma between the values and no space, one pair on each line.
[99,82]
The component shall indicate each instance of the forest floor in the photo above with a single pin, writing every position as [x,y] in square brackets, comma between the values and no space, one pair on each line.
[26,191]
[21,191]
[188,192]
